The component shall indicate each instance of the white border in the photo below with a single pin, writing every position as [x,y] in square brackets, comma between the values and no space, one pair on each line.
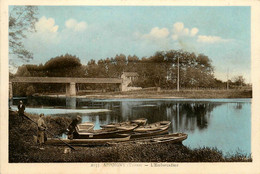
[38,168]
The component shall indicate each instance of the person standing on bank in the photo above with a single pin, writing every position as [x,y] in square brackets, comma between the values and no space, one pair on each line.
[21,109]
[41,131]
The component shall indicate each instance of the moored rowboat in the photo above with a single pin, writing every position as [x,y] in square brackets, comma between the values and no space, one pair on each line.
[172,138]
[154,126]
[84,127]
[150,133]
[139,122]
[113,139]
[104,133]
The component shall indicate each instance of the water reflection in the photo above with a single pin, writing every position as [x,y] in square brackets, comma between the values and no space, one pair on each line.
[185,116]
[238,106]
[225,124]
[71,102]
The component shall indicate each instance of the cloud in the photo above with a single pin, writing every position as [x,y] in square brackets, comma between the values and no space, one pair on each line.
[46,25]
[46,33]
[179,31]
[76,26]
[194,31]
[157,33]
[186,35]
[211,39]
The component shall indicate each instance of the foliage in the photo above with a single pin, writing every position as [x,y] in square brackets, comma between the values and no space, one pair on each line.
[22,20]
[239,81]
[60,66]
[64,66]
[158,70]
[161,70]
[30,91]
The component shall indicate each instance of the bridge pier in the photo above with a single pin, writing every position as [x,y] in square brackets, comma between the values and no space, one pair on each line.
[71,89]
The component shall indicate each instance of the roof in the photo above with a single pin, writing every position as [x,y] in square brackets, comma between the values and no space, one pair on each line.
[130,74]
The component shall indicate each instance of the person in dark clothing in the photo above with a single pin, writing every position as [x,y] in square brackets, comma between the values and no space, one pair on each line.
[21,109]
[72,127]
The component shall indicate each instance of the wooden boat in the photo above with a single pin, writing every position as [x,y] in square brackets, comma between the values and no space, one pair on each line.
[84,127]
[151,133]
[104,133]
[154,126]
[172,138]
[81,142]
[139,122]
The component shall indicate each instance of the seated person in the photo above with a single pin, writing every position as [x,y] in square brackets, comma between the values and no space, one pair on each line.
[72,127]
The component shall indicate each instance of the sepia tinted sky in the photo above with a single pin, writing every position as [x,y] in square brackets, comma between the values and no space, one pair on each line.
[99,32]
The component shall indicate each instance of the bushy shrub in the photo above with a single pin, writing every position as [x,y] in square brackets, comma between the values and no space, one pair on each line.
[30,90]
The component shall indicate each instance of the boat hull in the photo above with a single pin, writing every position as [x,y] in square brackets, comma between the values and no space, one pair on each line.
[149,133]
[169,138]
[153,127]
[139,122]
[84,127]
[81,142]
[103,133]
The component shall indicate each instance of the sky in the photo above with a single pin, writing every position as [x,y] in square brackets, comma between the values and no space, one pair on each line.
[100,32]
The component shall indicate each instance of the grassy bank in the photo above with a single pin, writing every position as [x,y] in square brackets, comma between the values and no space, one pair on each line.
[190,94]
[237,93]
[22,148]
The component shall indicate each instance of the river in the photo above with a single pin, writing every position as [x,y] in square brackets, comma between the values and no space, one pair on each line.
[221,123]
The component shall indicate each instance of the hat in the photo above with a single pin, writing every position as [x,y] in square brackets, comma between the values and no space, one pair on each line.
[78,117]
[21,101]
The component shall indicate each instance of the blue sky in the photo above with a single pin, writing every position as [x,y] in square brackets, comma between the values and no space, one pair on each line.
[98,32]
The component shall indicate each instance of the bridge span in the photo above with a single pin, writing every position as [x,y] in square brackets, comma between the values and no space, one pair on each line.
[69,81]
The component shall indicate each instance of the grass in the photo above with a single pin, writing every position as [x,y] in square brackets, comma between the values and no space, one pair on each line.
[212,93]
[23,149]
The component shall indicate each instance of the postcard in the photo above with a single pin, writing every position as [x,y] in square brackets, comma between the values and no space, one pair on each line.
[130,86]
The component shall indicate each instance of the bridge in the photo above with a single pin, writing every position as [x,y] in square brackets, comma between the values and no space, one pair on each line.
[69,81]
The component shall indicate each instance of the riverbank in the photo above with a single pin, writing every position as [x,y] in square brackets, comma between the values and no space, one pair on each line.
[163,94]
[23,149]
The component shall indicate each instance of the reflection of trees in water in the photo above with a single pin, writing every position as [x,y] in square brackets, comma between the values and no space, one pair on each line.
[184,116]
[238,106]
[189,116]
[195,115]
[42,101]
[129,110]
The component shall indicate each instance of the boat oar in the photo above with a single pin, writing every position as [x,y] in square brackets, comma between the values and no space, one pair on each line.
[51,133]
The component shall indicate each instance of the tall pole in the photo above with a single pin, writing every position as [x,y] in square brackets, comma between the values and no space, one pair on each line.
[178,117]
[178,79]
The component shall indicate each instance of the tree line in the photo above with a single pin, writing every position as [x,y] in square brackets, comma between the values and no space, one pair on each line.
[158,70]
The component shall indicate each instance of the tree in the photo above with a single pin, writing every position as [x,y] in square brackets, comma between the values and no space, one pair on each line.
[239,81]
[64,66]
[60,66]
[22,20]
[161,70]
[30,90]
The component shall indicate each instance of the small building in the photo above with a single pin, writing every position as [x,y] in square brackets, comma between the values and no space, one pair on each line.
[129,76]
[128,79]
